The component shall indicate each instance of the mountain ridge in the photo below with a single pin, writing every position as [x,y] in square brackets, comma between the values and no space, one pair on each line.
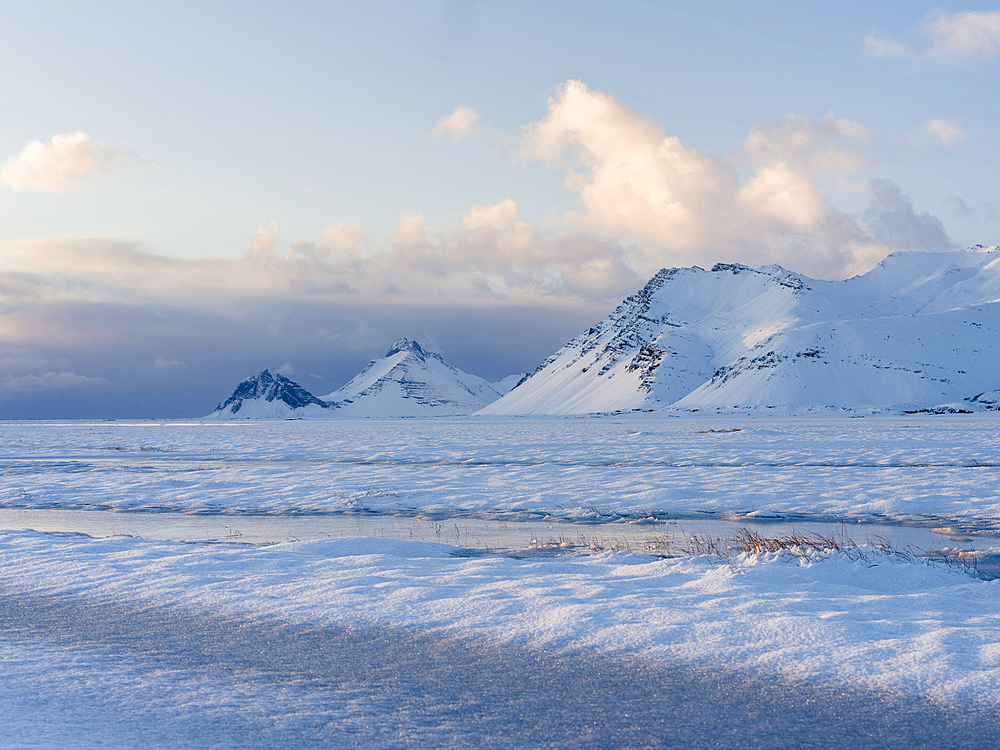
[739,339]
[408,381]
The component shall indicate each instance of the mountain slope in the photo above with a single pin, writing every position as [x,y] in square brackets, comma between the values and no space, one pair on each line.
[914,332]
[410,381]
[267,396]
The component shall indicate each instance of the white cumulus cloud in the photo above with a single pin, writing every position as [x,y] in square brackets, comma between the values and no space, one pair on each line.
[263,241]
[881,45]
[969,35]
[945,131]
[64,162]
[766,203]
[457,124]
[963,37]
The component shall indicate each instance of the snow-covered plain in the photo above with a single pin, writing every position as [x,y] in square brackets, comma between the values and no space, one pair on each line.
[918,468]
[397,643]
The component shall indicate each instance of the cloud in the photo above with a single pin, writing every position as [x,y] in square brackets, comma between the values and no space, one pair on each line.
[488,257]
[891,217]
[964,37]
[457,125]
[766,203]
[970,35]
[358,338]
[822,148]
[263,241]
[49,381]
[880,45]
[343,234]
[628,174]
[409,230]
[65,162]
[167,364]
[980,212]
[945,131]
[287,369]
[492,217]
[646,200]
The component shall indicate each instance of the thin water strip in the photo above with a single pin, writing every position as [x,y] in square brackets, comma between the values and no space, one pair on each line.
[474,532]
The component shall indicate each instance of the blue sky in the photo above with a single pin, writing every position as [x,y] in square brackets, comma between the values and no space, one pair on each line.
[190,193]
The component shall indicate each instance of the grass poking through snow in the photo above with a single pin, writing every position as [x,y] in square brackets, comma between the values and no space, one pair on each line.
[745,541]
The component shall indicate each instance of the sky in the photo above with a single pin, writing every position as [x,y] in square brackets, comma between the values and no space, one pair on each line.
[192,192]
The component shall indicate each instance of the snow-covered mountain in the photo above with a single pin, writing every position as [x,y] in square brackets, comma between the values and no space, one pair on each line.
[267,396]
[504,385]
[917,332]
[410,381]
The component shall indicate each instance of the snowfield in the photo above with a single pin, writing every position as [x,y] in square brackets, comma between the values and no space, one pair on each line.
[378,642]
[869,619]
[919,468]
[390,643]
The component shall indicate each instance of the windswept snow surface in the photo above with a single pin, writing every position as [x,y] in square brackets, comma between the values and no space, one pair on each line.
[380,642]
[916,332]
[936,469]
[814,628]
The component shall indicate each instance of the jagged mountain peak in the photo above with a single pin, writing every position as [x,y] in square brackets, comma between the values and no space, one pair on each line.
[270,395]
[410,346]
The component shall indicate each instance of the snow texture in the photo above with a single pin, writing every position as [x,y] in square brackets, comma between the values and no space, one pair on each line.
[876,622]
[916,333]
[936,469]
[378,642]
